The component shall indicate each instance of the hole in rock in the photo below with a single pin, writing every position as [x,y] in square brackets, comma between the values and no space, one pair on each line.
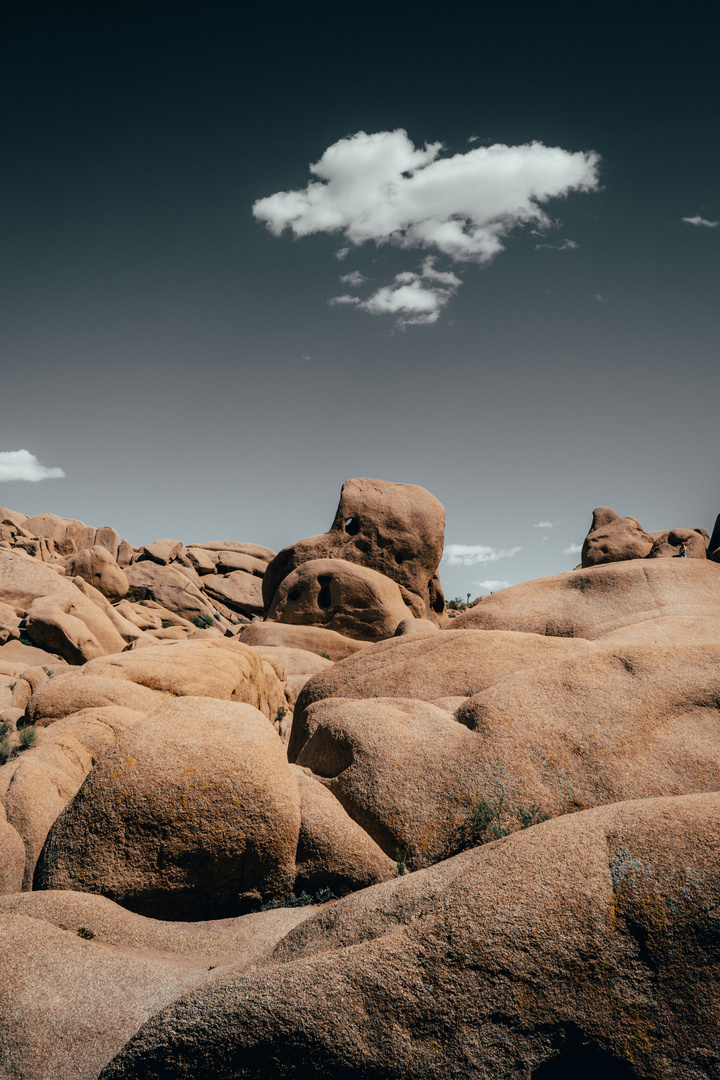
[294,594]
[352,526]
[324,598]
[399,558]
[584,1063]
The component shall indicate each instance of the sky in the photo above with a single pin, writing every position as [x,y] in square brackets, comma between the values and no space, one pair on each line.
[248,253]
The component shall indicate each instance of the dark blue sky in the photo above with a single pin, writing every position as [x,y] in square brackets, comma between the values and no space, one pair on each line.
[153,333]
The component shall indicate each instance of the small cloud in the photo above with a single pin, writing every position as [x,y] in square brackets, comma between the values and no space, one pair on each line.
[492,586]
[543,525]
[355,279]
[567,245]
[697,220]
[342,253]
[415,299]
[306,357]
[22,465]
[573,549]
[474,138]
[599,297]
[470,554]
[337,301]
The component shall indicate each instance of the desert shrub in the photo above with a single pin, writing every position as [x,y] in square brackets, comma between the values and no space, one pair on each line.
[203,621]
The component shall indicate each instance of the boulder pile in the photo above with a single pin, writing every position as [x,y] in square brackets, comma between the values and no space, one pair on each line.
[275,815]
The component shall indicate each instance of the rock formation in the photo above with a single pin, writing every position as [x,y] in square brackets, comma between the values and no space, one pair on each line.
[276,816]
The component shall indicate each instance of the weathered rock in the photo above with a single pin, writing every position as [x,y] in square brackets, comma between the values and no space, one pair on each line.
[395,529]
[403,769]
[97,566]
[257,551]
[14,652]
[168,586]
[341,596]
[668,544]
[71,626]
[627,721]
[333,851]
[93,972]
[597,601]
[225,561]
[127,629]
[326,643]
[208,667]
[125,553]
[586,943]
[69,694]
[12,856]
[200,560]
[64,532]
[447,664]
[162,551]
[36,786]
[239,591]
[193,813]
[612,539]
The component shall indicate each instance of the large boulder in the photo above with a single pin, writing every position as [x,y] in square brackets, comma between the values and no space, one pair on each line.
[326,643]
[341,596]
[613,539]
[207,667]
[12,856]
[66,534]
[395,529]
[585,946]
[333,851]
[446,664]
[192,814]
[668,545]
[97,566]
[403,769]
[36,786]
[81,974]
[169,586]
[67,694]
[601,599]
[239,591]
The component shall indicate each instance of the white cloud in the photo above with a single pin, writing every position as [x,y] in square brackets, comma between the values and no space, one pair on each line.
[697,220]
[354,279]
[543,525]
[573,549]
[492,586]
[567,245]
[470,554]
[381,188]
[342,253]
[346,298]
[22,465]
[415,299]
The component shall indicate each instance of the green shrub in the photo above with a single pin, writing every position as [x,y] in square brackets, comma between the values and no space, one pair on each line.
[167,623]
[48,671]
[6,751]
[303,899]
[203,621]
[28,735]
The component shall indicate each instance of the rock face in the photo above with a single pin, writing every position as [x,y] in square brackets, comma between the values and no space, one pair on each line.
[600,600]
[612,539]
[97,566]
[593,935]
[394,529]
[340,596]
[192,813]
[669,544]
[448,664]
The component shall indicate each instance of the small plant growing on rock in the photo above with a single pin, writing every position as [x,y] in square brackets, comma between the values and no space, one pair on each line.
[48,671]
[303,899]
[6,751]
[203,621]
[167,623]
[326,655]
[532,816]
[28,737]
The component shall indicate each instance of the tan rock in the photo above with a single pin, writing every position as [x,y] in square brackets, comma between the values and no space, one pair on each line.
[580,947]
[64,532]
[450,663]
[394,529]
[12,856]
[341,596]
[293,661]
[208,667]
[333,851]
[71,626]
[612,539]
[326,643]
[125,553]
[36,786]
[22,656]
[169,587]
[127,629]
[227,561]
[97,566]
[59,697]
[256,550]
[162,551]
[193,812]
[200,560]
[239,591]
[12,517]
[669,544]
[597,601]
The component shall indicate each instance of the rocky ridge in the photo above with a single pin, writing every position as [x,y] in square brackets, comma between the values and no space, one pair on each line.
[276,814]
